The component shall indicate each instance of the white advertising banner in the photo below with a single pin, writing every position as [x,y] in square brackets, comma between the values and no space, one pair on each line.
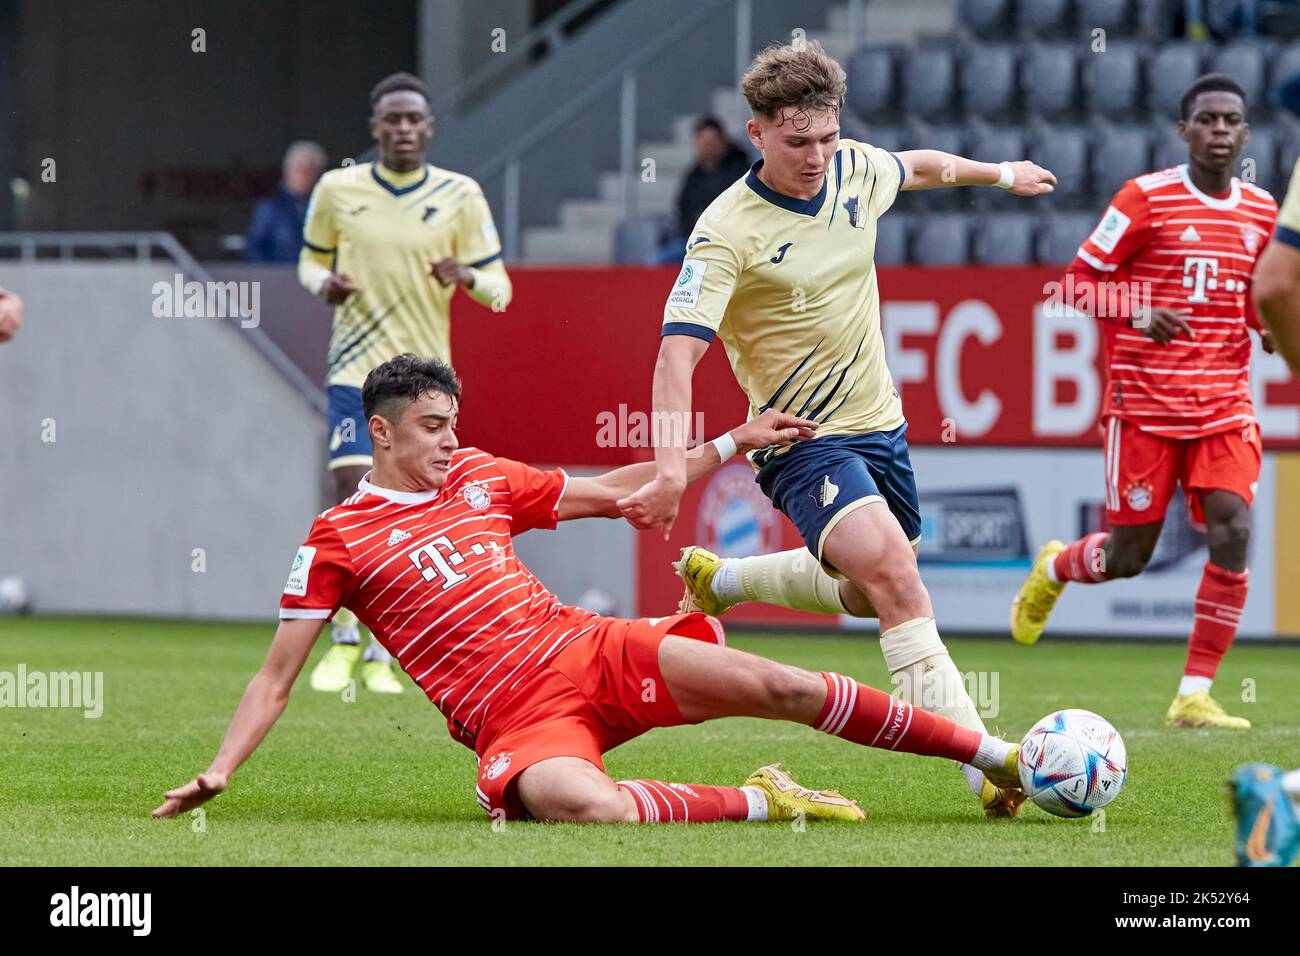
[985,512]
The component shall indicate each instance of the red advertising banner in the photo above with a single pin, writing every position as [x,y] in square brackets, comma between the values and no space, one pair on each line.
[564,375]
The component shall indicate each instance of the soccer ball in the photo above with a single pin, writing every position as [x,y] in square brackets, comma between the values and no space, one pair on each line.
[14,596]
[1072,762]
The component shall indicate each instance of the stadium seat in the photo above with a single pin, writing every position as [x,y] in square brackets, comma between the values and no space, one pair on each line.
[892,138]
[1245,62]
[986,19]
[1061,234]
[1117,17]
[1049,79]
[1258,160]
[1170,71]
[1285,65]
[941,239]
[1046,19]
[929,83]
[1112,81]
[1120,153]
[1004,239]
[988,81]
[1064,150]
[637,241]
[873,88]
[891,238]
[1168,150]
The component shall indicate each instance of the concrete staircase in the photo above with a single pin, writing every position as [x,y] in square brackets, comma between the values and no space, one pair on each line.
[585,233]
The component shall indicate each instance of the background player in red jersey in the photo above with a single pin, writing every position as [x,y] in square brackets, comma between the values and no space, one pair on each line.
[422,554]
[1167,272]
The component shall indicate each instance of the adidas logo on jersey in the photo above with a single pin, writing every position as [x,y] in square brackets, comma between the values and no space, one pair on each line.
[398,536]
[1190,235]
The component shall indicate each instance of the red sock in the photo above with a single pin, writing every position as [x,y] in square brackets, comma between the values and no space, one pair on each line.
[659,802]
[1084,561]
[873,718]
[1219,601]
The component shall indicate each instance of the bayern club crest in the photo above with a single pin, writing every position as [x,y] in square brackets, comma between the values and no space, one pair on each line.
[1249,238]
[1138,496]
[735,519]
[477,496]
[497,765]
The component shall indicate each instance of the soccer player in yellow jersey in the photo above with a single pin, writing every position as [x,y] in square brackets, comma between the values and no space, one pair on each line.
[387,244]
[1276,283]
[780,267]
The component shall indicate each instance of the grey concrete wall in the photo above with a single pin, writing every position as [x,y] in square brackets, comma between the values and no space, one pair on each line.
[170,435]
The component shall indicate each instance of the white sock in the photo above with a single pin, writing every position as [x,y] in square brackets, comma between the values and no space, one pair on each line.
[992,754]
[377,652]
[345,634]
[1291,785]
[726,583]
[757,803]
[925,676]
[1190,684]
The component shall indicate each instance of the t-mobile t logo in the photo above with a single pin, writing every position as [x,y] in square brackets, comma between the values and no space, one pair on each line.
[1199,274]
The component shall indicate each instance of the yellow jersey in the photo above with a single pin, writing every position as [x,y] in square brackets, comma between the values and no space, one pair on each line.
[383,229]
[789,285]
[1288,216]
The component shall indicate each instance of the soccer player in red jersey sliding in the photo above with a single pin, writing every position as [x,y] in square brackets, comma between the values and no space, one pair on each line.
[538,690]
[1167,272]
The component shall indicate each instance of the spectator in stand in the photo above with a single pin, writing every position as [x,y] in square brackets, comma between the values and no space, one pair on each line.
[718,163]
[275,233]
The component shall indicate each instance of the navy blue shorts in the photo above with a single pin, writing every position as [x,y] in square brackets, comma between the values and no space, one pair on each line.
[817,483]
[349,432]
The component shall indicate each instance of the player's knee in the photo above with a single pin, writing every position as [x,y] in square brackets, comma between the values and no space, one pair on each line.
[614,805]
[1230,537]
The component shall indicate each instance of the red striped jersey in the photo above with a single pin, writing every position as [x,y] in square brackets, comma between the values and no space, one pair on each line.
[1182,249]
[435,578]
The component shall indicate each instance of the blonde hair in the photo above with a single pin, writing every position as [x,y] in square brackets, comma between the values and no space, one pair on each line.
[798,77]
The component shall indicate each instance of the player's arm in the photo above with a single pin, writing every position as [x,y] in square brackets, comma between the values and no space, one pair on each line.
[263,702]
[11,314]
[320,237]
[1275,286]
[609,495]
[934,169]
[477,267]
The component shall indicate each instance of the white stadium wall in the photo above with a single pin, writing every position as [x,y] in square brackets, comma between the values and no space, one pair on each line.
[147,465]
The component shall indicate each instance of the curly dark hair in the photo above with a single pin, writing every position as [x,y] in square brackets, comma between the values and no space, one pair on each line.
[392,386]
[1209,83]
[395,82]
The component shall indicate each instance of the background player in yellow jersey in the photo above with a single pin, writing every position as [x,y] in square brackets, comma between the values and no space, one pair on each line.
[780,267]
[388,243]
[1276,283]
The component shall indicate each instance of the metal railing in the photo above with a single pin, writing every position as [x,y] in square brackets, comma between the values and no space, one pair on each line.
[141,246]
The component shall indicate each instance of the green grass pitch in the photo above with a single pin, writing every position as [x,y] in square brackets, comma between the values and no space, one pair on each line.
[378,781]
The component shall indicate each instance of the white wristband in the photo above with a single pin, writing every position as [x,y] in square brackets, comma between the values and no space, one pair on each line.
[1007,178]
[726,446]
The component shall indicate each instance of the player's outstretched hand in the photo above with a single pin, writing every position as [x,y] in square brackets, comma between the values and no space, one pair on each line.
[195,793]
[11,314]
[1266,340]
[337,288]
[653,505]
[449,272]
[1031,179]
[773,428]
[1163,325]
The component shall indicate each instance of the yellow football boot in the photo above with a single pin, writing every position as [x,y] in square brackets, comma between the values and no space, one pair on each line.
[697,568]
[1037,596]
[787,799]
[1199,709]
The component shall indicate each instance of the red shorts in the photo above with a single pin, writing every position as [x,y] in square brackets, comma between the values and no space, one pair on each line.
[1142,469]
[602,690]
